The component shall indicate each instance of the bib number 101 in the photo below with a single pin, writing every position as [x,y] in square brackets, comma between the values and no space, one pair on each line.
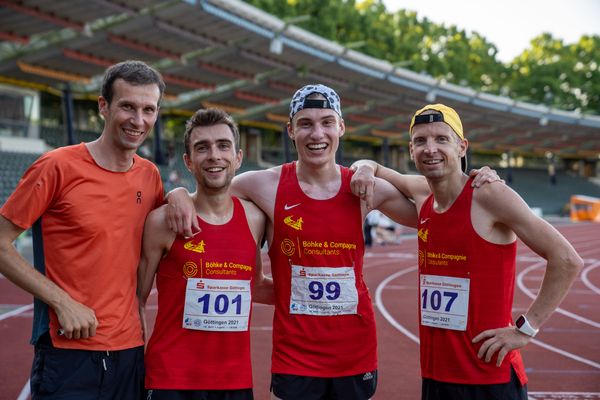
[221,303]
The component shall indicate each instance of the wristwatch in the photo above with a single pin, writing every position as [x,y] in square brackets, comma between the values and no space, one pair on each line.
[523,326]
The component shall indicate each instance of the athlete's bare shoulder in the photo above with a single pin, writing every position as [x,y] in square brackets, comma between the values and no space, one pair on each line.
[256,219]
[260,175]
[256,185]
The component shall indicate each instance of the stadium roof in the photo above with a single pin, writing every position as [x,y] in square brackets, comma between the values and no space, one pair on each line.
[229,54]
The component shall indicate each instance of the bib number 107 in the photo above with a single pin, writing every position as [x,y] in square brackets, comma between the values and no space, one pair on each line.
[435,299]
[221,304]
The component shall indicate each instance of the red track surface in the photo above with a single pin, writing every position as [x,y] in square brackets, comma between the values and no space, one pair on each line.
[562,363]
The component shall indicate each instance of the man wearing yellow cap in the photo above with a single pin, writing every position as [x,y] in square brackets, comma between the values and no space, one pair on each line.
[467,251]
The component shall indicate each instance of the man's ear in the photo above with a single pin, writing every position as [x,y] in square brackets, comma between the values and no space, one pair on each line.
[103,106]
[464,145]
[342,126]
[290,131]
[187,161]
[238,158]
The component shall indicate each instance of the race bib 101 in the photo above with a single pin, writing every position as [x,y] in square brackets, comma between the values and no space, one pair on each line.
[217,305]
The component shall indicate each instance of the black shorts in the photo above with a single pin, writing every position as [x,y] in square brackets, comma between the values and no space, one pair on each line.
[85,374]
[295,387]
[436,390]
[160,394]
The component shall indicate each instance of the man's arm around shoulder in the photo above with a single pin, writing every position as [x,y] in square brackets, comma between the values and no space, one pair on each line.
[363,183]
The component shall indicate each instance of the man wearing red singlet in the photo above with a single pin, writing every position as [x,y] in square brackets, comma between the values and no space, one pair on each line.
[200,345]
[467,253]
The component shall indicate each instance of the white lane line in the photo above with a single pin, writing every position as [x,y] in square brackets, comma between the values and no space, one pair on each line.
[16,312]
[25,392]
[559,310]
[566,353]
[585,279]
[565,395]
[407,333]
[384,311]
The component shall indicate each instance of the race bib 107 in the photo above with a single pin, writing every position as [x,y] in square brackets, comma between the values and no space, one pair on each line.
[444,302]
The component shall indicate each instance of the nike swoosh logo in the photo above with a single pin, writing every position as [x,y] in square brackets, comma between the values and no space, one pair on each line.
[424,220]
[286,207]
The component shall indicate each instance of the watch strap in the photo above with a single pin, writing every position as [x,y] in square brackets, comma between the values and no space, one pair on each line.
[522,324]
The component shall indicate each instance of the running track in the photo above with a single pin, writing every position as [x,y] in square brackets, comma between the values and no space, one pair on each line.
[563,362]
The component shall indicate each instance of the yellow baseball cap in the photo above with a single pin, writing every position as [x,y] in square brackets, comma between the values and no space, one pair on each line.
[446,115]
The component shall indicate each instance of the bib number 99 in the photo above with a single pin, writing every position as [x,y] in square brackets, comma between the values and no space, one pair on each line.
[331,290]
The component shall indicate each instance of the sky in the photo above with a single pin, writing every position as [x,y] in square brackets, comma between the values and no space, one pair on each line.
[510,24]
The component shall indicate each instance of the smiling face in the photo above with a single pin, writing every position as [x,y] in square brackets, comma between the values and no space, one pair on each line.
[436,150]
[316,133]
[130,115]
[213,158]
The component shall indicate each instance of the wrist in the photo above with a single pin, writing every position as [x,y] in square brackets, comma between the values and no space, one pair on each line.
[523,325]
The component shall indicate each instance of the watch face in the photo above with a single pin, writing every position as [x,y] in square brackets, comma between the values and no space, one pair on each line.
[520,321]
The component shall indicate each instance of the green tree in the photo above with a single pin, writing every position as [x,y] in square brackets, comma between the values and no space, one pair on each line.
[443,52]
[559,75]
[549,72]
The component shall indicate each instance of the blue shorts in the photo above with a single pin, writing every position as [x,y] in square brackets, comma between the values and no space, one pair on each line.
[436,390]
[295,387]
[160,394]
[85,374]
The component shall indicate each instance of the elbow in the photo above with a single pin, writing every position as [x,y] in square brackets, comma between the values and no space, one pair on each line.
[577,263]
[573,264]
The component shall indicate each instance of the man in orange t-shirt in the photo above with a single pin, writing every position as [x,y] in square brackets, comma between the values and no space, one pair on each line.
[87,204]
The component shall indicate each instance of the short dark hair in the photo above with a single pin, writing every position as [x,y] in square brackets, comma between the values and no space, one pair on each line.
[210,117]
[134,72]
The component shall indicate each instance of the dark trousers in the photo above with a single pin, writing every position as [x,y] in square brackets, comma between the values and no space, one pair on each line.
[67,374]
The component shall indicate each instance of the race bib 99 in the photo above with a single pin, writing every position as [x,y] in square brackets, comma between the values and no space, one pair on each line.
[323,291]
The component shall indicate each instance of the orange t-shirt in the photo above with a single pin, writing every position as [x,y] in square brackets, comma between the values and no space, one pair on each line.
[92,222]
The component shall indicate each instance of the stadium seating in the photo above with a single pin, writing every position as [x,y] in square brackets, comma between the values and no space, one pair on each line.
[12,167]
[56,136]
[535,188]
